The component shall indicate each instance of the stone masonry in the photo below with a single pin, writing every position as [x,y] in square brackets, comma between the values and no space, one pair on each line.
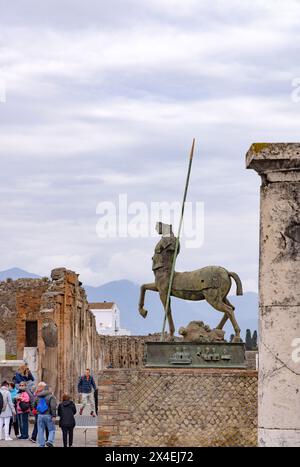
[279,279]
[9,311]
[177,407]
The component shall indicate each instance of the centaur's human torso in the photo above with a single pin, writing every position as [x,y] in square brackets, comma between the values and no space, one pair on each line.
[164,253]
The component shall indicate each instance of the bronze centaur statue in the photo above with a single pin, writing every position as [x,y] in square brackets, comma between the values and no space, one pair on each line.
[211,283]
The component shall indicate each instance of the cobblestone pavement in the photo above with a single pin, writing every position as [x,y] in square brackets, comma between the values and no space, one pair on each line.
[85,434]
[85,420]
[82,438]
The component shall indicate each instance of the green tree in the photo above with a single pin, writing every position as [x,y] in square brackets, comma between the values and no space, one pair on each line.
[248,340]
[254,341]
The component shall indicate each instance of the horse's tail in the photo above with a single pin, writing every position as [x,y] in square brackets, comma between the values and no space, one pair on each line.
[239,287]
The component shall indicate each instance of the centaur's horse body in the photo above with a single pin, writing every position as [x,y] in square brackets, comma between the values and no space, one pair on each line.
[211,283]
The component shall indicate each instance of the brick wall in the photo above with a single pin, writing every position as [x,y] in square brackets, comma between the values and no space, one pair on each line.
[182,407]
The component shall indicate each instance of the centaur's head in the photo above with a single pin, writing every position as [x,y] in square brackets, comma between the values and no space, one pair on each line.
[164,229]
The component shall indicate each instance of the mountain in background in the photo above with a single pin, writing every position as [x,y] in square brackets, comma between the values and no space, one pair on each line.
[16,273]
[126,295]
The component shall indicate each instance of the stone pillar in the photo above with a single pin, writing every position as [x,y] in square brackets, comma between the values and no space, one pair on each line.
[279,290]
[30,356]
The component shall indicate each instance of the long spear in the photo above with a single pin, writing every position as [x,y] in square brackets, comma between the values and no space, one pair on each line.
[177,241]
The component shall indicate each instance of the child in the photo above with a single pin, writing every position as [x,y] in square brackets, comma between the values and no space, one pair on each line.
[66,412]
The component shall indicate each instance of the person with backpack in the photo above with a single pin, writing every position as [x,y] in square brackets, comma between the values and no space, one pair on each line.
[23,410]
[66,412]
[7,410]
[40,387]
[85,388]
[46,410]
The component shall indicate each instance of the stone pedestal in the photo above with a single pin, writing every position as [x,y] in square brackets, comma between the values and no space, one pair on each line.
[179,407]
[279,289]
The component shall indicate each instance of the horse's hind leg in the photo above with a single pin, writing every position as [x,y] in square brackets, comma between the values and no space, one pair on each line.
[232,318]
[223,321]
[212,297]
[228,303]
[225,317]
[234,323]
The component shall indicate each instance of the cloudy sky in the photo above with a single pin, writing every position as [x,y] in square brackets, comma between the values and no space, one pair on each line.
[104,97]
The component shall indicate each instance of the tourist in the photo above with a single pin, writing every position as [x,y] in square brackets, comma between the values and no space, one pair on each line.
[23,410]
[85,388]
[8,410]
[40,387]
[45,405]
[66,412]
[23,374]
[14,419]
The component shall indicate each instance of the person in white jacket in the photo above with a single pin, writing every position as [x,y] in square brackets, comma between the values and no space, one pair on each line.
[7,412]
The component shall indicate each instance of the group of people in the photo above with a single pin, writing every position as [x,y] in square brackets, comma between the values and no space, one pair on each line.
[21,398]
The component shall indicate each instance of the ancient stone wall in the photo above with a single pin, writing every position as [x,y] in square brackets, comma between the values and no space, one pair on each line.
[66,331]
[9,289]
[178,407]
[123,351]
[128,351]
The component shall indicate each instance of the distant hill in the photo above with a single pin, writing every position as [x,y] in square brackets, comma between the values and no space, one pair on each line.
[16,273]
[126,294]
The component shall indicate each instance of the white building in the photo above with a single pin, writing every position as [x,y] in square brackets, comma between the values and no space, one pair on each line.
[107,316]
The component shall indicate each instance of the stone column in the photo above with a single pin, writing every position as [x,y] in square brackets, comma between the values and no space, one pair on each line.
[279,290]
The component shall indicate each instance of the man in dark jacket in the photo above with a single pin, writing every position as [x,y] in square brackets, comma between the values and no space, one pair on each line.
[86,386]
[66,412]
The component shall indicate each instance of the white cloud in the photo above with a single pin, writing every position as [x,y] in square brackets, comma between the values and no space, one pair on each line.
[106,100]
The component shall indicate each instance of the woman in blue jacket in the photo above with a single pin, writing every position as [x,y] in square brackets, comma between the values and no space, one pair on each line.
[23,375]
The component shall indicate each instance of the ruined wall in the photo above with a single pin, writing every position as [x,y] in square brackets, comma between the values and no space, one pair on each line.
[9,289]
[123,351]
[128,351]
[67,337]
[178,407]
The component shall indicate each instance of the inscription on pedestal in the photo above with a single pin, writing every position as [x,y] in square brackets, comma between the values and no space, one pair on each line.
[195,355]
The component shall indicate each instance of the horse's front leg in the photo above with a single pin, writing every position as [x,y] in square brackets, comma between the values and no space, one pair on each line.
[163,298]
[145,287]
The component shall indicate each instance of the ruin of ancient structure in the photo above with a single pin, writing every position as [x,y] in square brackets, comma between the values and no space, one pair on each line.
[48,323]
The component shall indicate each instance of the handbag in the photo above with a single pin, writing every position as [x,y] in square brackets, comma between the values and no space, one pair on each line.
[24,406]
